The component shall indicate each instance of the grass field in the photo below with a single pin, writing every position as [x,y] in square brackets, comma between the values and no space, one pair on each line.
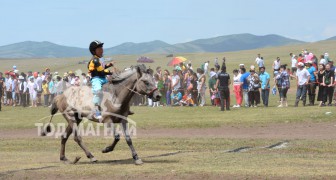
[181,142]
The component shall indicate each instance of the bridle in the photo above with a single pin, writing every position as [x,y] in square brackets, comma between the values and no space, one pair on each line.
[150,94]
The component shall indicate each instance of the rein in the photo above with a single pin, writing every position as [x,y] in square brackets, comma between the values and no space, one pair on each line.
[133,90]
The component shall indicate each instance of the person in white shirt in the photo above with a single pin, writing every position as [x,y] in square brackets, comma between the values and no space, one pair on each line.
[303,77]
[276,66]
[175,81]
[8,87]
[32,86]
[260,61]
[294,63]
[257,59]
[206,65]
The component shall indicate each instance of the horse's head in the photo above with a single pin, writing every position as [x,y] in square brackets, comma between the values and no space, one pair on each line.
[146,84]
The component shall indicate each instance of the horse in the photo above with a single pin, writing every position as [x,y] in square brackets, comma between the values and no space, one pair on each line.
[76,103]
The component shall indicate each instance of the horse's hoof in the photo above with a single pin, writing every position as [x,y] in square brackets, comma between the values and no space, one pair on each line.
[93,160]
[138,162]
[65,160]
[107,149]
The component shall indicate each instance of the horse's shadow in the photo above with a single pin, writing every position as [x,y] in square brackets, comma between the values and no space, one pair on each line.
[146,159]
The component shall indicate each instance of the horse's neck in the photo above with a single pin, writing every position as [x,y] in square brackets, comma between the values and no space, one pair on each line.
[124,91]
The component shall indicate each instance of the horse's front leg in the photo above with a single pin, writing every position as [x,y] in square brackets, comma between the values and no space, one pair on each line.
[79,141]
[137,160]
[116,140]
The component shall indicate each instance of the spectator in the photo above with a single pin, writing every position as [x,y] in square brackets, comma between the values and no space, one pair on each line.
[52,89]
[59,86]
[14,89]
[253,89]
[320,75]
[283,78]
[212,89]
[328,81]
[167,87]
[311,87]
[300,58]
[260,61]
[175,81]
[294,63]
[201,87]
[303,78]
[245,85]
[33,91]
[8,85]
[176,97]
[194,91]
[322,60]
[265,85]
[23,88]
[84,80]
[46,93]
[237,88]
[258,58]
[1,88]
[38,81]
[156,80]
[222,84]
[206,66]
[276,66]
[216,61]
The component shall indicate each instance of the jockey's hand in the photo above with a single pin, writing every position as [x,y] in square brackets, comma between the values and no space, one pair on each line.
[110,64]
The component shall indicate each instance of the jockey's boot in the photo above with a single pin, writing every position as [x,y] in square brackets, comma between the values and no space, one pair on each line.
[97,115]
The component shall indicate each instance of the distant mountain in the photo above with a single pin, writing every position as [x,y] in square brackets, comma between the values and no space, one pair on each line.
[31,49]
[332,38]
[236,42]
[137,48]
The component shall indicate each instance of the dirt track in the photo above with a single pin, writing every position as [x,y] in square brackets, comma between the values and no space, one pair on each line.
[306,130]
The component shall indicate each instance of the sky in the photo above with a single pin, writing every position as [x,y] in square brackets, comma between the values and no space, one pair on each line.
[78,22]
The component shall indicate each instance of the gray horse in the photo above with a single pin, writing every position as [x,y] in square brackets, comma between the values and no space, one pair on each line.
[76,103]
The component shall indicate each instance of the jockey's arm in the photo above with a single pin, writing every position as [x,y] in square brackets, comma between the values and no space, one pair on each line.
[109,65]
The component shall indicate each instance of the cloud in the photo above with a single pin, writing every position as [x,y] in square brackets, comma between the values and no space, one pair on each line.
[329,31]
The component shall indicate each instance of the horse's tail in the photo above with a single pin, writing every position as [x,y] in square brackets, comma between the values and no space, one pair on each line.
[53,111]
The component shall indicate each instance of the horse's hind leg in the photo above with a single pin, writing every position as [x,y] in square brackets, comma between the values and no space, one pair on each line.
[116,140]
[79,141]
[137,160]
[64,139]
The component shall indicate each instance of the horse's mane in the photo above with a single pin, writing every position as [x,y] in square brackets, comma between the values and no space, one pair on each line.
[126,73]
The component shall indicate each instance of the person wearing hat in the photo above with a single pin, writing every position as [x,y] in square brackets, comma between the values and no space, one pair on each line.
[302,79]
[222,84]
[311,87]
[98,71]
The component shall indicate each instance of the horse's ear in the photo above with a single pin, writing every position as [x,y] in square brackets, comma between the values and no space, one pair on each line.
[139,70]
